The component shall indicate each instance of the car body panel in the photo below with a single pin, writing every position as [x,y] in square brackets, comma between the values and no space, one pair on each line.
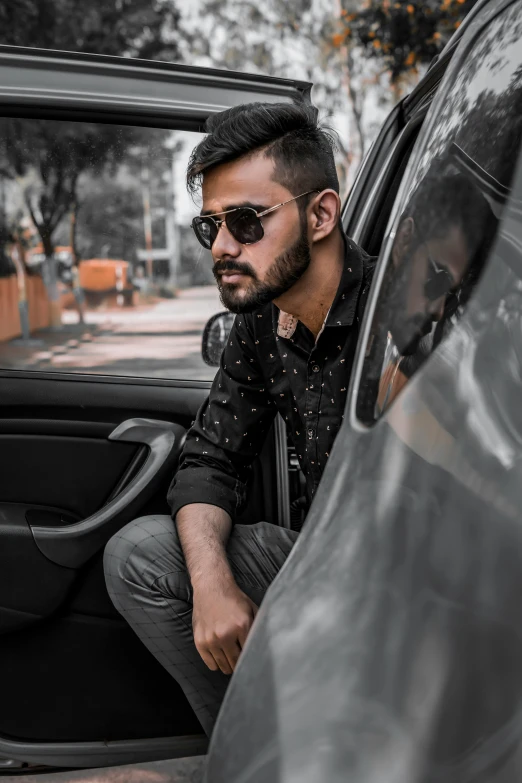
[390,645]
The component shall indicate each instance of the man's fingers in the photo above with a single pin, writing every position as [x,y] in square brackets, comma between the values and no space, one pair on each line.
[222,661]
[208,659]
[232,651]
[245,630]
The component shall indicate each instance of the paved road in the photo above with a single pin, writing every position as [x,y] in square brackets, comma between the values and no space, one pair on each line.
[159,340]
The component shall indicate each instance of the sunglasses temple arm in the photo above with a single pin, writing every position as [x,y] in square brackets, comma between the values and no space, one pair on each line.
[266,211]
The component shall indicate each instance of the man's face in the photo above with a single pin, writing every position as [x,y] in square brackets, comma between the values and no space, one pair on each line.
[249,276]
[437,264]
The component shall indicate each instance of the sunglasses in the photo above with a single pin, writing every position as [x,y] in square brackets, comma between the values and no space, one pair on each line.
[438,282]
[244,223]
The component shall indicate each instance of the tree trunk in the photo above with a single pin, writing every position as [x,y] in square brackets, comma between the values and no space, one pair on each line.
[79,297]
[50,278]
[356,102]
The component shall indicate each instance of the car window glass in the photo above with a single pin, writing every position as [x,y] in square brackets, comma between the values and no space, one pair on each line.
[447,220]
[99,269]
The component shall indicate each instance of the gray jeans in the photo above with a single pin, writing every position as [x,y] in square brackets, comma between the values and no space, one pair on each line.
[148,583]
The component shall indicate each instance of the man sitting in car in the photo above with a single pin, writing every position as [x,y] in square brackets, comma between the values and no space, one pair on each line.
[190,585]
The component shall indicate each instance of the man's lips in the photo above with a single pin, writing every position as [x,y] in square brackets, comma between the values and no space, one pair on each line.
[231,277]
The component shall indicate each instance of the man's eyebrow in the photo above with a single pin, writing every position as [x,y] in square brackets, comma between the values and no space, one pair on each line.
[255,207]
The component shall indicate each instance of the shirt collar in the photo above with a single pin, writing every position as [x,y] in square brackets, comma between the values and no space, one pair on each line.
[342,312]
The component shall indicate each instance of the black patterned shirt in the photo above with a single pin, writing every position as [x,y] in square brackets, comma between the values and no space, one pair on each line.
[272,363]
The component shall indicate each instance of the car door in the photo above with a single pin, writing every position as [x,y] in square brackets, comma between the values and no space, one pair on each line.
[100,377]
[389,646]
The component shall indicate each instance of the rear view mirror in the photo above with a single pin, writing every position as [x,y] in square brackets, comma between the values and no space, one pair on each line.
[215,337]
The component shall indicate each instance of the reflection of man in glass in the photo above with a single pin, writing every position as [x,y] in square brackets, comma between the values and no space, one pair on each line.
[435,244]
[437,255]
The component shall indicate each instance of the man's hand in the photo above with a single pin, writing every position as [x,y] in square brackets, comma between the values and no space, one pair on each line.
[221,621]
[222,614]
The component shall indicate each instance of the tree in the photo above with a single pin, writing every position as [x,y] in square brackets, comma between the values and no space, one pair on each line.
[292,40]
[133,28]
[402,34]
[110,220]
[298,40]
[47,158]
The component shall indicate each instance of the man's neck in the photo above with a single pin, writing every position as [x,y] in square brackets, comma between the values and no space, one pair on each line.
[310,299]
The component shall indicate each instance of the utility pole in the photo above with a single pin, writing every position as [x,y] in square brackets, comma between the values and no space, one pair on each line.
[23,306]
[172,228]
[79,296]
[147,220]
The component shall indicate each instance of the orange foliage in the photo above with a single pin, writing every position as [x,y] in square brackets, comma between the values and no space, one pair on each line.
[410,59]
[410,9]
[337,40]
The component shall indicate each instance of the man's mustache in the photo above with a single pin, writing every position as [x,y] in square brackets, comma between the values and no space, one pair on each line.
[220,267]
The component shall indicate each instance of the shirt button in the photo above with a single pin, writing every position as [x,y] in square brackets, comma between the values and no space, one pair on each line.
[310,433]
[315,368]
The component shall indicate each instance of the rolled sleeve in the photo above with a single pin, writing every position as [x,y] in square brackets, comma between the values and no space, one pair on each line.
[229,430]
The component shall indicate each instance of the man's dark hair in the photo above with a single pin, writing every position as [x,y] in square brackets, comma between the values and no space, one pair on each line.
[444,199]
[303,152]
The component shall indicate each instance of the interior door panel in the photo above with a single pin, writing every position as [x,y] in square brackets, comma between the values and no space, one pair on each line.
[22,566]
[84,678]
[74,473]
[77,672]
[74,544]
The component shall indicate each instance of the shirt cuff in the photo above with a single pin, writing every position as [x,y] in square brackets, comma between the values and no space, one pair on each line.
[199,489]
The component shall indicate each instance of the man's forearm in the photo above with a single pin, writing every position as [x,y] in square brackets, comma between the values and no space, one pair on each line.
[222,614]
[204,530]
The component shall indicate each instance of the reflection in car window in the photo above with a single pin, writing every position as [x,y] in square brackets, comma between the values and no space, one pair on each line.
[447,222]
[99,269]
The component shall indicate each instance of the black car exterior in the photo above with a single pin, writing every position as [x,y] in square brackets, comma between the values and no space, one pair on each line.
[389,647]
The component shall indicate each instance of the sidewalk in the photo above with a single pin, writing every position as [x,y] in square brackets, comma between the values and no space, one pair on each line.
[159,340]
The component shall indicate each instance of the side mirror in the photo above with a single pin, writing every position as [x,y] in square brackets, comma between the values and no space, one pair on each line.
[215,336]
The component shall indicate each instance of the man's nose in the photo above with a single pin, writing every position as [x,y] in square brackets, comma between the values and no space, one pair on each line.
[224,244]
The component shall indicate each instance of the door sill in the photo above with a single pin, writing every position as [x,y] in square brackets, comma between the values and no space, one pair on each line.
[103,754]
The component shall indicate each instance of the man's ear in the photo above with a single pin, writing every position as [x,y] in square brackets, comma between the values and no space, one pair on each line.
[323,214]
[403,239]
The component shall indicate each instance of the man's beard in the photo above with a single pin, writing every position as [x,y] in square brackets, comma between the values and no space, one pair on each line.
[407,329]
[284,272]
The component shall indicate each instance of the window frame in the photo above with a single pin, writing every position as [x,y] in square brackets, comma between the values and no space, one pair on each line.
[34,85]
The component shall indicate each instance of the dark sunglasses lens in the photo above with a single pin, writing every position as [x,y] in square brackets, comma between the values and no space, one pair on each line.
[438,284]
[205,230]
[245,226]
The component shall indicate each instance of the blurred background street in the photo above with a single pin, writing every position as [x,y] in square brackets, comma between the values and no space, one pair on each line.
[160,340]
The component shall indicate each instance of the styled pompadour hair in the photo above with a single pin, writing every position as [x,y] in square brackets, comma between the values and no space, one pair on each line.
[289,134]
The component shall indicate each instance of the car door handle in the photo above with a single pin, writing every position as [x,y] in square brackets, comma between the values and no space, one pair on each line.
[72,545]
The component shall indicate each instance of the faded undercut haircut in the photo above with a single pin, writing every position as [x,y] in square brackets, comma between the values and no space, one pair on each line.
[289,134]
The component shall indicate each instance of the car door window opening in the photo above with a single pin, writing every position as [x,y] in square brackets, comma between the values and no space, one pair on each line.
[100,273]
